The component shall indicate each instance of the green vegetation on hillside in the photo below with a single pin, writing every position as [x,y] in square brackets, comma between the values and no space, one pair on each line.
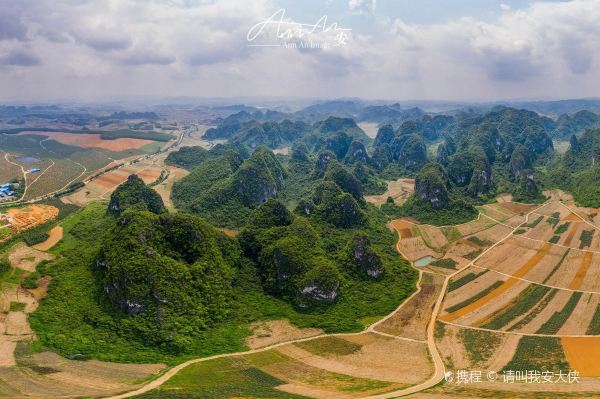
[135,194]
[146,287]
[187,157]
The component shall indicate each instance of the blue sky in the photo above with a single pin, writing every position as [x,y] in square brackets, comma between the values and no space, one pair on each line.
[410,11]
[397,50]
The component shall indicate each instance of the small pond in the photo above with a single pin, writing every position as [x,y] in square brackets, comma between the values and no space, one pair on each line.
[424,261]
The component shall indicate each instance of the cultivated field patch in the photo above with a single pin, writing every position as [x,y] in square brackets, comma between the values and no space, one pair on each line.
[539,353]
[399,190]
[583,354]
[411,319]
[267,333]
[312,372]
[92,141]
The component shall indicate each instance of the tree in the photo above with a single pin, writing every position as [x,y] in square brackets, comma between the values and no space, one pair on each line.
[135,194]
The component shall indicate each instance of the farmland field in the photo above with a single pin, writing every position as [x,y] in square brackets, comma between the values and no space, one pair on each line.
[64,158]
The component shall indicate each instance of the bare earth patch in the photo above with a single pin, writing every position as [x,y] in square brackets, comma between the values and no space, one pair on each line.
[56,234]
[7,350]
[67,378]
[399,190]
[410,321]
[31,216]
[93,141]
[271,332]
[17,324]
[27,258]
[383,359]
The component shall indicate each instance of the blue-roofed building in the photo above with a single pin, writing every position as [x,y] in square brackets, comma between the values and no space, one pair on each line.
[34,170]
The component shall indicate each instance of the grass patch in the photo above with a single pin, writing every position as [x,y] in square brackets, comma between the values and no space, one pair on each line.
[473,255]
[303,373]
[554,239]
[451,233]
[445,263]
[585,240]
[553,219]
[559,318]
[329,346]
[534,223]
[520,231]
[535,311]
[527,299]
[30,282]
[5,232]
[14,275]
[594,327]
[17,307]
[220,379]
[540,354]
[562,228]
[480,345]
[267,358]
[439,330]
[456,212]
[467,278]
[475,297]
[479,241]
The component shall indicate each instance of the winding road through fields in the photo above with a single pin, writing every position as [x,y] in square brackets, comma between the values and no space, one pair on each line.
[439,368]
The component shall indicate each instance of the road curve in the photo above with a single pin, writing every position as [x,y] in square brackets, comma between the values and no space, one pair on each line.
[433,380]
[439,367]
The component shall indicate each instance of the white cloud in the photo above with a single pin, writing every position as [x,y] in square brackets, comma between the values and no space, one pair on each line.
[362,6]
[199,48]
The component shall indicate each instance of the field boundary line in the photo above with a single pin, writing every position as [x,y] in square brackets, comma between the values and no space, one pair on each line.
[557,245]
[418,341]
[518,333]
[27,186]
[579,216]
[533,282]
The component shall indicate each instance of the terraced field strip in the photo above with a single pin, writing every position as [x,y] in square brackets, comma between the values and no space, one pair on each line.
[558,265]
[583,354]
[583,219]
[581,273]
[594,327]
[539,353]
[467,278]
[574,228]
[527,299]
[537,309]
[530,264]
[558,319]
